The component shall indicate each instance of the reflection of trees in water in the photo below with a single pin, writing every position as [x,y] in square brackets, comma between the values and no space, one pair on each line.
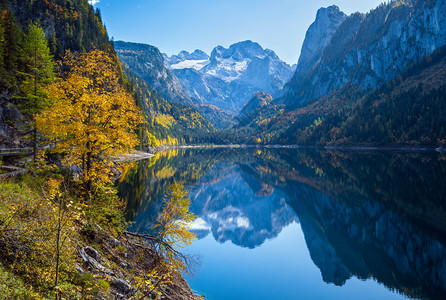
[143,188]
[364,214]
[367,240]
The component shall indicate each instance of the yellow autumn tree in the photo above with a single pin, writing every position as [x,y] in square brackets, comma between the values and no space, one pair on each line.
[92,120]
[173,234]
[173,224]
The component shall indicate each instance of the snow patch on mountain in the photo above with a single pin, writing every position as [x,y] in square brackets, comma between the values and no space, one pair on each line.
[190,64]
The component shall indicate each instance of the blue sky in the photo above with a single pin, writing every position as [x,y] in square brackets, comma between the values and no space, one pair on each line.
[175,25]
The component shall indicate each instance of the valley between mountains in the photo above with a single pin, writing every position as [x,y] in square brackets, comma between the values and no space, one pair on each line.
[361,79]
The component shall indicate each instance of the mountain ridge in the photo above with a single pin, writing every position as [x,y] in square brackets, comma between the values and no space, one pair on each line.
[230,76]
[370,49]
[148,62]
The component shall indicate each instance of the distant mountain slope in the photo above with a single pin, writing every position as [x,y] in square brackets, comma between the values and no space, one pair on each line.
[410,110]
[152,66]
[229,77]
[258,101]
[168,122]
[217,116]
[148,62]
[368,49]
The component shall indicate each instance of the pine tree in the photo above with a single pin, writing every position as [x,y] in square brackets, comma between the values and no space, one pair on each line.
[12,37]
[2,53]
[38,73]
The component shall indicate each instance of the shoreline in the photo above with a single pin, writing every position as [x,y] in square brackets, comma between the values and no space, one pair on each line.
[135,156]
[329,148]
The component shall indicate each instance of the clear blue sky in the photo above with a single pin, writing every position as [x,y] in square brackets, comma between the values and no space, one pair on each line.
[175,25]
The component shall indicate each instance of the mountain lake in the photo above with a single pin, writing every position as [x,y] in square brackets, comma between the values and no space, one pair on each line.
[277,223]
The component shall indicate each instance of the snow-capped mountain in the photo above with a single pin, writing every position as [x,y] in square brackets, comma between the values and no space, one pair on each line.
[229,77]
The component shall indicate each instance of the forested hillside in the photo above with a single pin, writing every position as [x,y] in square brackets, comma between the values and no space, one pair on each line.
[409,110]
[167,123]
[151,66]
[66,25]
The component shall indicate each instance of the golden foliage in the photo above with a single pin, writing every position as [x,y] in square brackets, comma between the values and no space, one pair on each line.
[173,234]
[31,230]
[174,223]
[92,119]
[164,120]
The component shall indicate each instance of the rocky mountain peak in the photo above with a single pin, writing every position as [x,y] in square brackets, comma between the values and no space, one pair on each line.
[230,77]
[198,55]
[185,55]
[319,35]
[365,50]
[239,51]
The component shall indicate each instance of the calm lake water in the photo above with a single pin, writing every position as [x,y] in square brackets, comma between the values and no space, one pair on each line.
[305,224]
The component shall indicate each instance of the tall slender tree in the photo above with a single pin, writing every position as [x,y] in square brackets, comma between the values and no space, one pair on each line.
[38,73]
[12,38]
[2,52]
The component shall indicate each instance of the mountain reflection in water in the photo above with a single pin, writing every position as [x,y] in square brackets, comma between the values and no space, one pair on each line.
[369,214]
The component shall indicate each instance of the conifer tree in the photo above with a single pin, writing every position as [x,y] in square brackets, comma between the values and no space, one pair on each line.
[38,73]
[12,38]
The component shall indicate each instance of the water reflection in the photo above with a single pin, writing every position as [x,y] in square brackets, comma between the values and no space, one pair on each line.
[368,215]
[235,206]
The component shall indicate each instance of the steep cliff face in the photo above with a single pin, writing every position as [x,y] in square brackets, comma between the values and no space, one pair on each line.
[367,50]
[230,76]
[318,36]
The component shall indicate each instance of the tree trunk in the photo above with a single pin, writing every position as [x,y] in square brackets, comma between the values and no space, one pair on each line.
[59,229]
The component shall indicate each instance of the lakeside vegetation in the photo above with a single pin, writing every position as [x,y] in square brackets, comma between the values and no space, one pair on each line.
[44,227]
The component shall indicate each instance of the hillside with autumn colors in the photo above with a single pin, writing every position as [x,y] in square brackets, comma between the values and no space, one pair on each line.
[77,108]
[75,26]
[69,116]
